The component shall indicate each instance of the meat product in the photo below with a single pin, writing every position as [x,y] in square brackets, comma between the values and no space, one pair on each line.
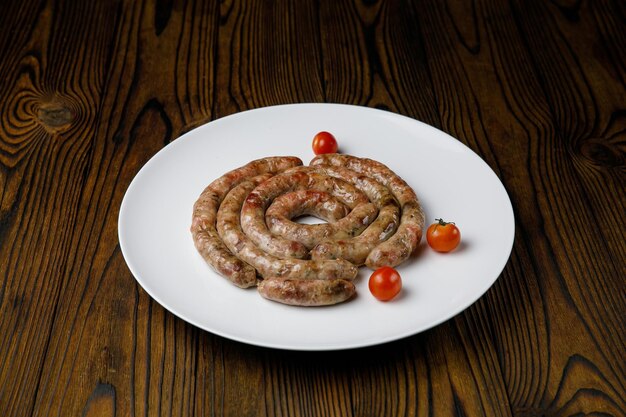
[307,202]
[255,205]
[203,225]
[229,229]
[343,224]
[356,249]
[402,244]
[242,225]
[310,293]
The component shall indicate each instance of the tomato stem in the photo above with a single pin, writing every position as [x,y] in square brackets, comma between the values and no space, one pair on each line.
[441,222]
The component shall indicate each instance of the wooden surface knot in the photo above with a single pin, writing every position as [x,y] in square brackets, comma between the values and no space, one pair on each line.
[601,152]
[55,116]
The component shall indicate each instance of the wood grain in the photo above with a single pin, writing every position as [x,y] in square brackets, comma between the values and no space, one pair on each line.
[89,91]
[532,107]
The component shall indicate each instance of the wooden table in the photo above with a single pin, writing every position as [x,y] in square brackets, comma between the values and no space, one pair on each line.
[90,90]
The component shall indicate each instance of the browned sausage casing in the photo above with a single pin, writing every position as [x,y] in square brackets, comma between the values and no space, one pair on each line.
[344,223]
[255,206]
[203,224]
[229,229]
[356,249]
[306,293]
[315,203]
[402,244]
[374,218]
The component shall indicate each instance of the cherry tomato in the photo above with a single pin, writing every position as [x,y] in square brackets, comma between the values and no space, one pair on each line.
[443,236]
[385,283]
[324,142]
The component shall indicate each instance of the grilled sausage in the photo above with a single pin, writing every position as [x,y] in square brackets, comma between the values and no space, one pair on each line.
[310,235]
[254,208]
[357,249]
[203,224]
[315,203]
[374,218]
[402,244]
[306,293]
[343,222]
[229,229]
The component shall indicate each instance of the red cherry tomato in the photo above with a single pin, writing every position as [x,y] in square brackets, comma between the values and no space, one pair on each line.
[385,283]
[324,142]
[443,236]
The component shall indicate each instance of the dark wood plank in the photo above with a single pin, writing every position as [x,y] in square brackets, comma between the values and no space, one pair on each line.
[592,270]
[97,107]
[536,370]
[50,94]
[89,91]
[129,356]
[253,42]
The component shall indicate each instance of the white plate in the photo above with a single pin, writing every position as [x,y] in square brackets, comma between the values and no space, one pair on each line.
[451,181]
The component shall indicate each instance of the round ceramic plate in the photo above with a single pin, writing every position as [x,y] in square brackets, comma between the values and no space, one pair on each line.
[451,181]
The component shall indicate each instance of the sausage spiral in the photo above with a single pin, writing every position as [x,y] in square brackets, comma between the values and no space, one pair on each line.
[243,225]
